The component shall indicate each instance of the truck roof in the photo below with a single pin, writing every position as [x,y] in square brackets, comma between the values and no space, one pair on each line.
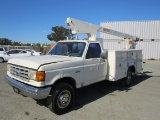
[86,41]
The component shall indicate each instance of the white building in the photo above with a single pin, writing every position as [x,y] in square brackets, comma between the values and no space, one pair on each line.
[147,31]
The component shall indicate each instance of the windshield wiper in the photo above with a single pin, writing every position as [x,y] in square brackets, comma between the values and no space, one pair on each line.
[67,54]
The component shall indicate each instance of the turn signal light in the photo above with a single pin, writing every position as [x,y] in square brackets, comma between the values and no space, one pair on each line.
[40,76]
[130,41]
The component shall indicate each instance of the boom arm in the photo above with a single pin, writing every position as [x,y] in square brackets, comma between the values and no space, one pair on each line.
[81,27]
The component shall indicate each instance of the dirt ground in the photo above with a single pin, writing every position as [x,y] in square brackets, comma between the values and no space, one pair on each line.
[100,101]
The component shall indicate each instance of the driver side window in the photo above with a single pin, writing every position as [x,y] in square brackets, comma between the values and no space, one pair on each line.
[94,51]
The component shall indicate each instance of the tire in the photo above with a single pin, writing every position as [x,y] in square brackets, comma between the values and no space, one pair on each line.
[61,99]
[128,79]
[1,60]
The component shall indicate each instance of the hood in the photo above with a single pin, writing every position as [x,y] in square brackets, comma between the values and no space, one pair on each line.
[35,61]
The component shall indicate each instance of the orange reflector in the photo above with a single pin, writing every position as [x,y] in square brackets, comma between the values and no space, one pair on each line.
[130,41]
[40,76]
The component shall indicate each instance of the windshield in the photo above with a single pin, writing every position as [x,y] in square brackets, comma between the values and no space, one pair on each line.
[74,49]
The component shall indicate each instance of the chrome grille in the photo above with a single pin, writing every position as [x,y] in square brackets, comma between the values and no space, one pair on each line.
[19,72]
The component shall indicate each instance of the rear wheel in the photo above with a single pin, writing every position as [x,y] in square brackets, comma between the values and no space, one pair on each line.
[128,79]
[61,99]
[1,60]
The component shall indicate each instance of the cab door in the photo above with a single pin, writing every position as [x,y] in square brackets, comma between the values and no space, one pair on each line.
[94,66]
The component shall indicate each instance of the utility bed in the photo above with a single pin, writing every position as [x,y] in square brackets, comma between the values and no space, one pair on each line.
[119,61]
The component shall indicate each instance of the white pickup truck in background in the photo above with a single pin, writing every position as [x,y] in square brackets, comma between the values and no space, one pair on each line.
[72,64]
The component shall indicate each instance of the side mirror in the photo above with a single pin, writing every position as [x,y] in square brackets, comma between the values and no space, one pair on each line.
[104,54]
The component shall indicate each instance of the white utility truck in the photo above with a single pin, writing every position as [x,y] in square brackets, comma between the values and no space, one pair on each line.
[73,64]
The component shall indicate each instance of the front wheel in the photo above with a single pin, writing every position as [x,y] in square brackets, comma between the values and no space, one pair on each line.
[61,99]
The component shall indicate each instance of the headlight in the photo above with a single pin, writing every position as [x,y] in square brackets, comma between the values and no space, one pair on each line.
[32,75]
[36,75]
[8,67]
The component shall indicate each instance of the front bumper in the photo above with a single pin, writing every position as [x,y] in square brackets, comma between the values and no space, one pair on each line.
[29,91]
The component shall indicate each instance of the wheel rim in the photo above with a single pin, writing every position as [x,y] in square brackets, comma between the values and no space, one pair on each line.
[64,99]
[1,60]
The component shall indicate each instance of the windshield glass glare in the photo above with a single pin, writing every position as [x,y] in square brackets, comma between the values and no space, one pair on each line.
[74,49]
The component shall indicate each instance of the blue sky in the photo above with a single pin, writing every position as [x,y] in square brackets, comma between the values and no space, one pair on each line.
[29,21]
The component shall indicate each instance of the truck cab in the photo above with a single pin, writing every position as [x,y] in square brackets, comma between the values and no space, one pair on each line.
[87,53]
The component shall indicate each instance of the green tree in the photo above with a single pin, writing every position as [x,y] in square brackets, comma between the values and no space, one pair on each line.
[5,41]
[27,44]
[60,33]
[16,43]
[38,44]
